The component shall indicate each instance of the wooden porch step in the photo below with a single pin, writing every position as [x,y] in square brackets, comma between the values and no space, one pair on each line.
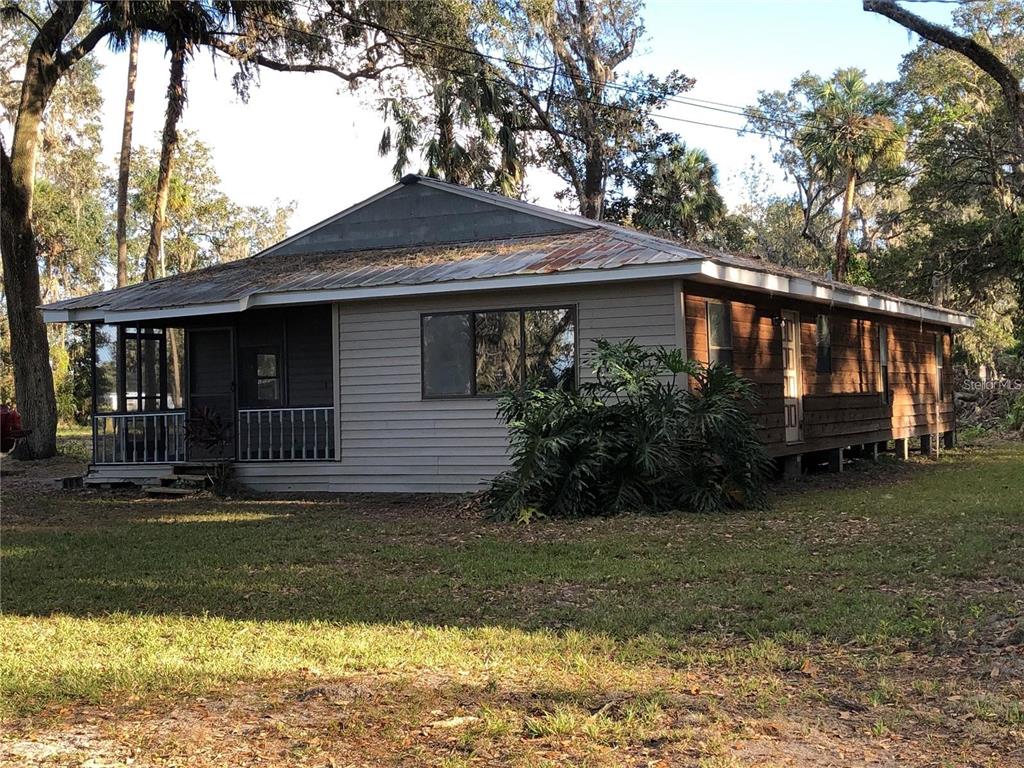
[170,491]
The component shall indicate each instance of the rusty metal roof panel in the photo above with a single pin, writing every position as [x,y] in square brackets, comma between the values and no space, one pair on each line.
[596,246]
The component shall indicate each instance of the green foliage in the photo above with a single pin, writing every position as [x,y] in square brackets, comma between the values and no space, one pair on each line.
[633,439]
[848,127]
[675,193]
[204,225]
[1015,418]
[484,119]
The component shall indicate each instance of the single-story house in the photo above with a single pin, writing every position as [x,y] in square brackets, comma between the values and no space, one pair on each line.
[364,353]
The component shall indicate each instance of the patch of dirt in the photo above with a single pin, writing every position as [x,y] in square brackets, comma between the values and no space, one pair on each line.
[24,479]
[905,710]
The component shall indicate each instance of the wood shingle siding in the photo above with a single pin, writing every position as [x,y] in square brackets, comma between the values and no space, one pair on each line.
[842,407]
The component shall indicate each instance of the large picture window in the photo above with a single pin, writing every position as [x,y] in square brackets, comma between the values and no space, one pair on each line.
[466,354]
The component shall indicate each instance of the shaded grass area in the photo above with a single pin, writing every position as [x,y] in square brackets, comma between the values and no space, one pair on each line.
[636,633]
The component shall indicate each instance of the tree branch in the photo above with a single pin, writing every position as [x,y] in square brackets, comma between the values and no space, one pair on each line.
[67,59]
[306,66]
[16,10]
[983,57]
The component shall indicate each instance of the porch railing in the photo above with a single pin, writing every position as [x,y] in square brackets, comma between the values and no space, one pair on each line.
[286,434]
[138,438]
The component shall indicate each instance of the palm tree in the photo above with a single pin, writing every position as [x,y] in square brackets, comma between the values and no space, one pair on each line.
[187,24]
[677,192]
[124,163]
[850,135]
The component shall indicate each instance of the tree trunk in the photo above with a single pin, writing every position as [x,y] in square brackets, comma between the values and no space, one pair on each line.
[33,378]
[592,203]
[124,164]
[175,106]
[843,238]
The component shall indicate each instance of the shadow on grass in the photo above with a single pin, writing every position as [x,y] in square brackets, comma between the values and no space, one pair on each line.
[840,563]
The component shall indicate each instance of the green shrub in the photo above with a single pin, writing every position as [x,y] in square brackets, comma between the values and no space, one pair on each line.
[633,439]
[1015,416]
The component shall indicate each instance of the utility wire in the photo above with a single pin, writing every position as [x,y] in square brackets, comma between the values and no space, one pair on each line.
[573,97]
[717,106]
[690,101]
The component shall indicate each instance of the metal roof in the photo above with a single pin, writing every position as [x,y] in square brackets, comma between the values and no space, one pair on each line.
[595,252]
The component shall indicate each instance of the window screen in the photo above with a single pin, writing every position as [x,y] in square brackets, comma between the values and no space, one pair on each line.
[106,366]
[719,333]
[447,355]
[143,368]
[823,336]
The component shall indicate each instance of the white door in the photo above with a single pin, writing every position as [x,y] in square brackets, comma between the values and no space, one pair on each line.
[791,375]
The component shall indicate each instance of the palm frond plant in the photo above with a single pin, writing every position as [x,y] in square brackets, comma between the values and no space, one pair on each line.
[634,438]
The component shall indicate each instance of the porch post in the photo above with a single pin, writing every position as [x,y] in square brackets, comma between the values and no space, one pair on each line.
[336,370]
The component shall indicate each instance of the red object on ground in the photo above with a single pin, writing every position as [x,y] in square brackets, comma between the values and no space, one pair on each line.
[10,427]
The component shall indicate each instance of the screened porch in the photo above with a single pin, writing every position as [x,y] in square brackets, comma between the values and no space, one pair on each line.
[258,386]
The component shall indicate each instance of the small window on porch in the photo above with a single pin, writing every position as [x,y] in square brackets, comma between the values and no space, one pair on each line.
[268,382]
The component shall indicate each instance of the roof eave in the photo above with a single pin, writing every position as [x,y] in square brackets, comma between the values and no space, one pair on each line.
[707,269]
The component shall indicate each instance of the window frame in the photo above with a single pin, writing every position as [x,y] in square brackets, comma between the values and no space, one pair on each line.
[134,334]
[883,361]
[940,364]
[818,368]
[732,337]
[472,313]
[276,378]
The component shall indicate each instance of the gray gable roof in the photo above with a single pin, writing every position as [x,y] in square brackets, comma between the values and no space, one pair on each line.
[424,236]
[414,214]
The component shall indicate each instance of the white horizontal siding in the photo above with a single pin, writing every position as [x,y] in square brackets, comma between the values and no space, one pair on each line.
[394,440]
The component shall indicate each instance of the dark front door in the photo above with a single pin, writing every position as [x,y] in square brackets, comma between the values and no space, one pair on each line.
[211,389]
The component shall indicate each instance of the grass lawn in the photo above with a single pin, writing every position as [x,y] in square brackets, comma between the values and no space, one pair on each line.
[868,620]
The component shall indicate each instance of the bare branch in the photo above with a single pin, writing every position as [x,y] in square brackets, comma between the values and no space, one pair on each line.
[364,73]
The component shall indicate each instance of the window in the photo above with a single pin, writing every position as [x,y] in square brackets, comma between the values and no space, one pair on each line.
[142,368]
[268,382]
[883,362]
[823,341]
[719,333]
[105,385]
[447,342]
[483,353]
[550,347]
[499,350]
[939,365]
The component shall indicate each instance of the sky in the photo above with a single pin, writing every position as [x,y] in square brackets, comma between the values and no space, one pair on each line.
[301,138]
